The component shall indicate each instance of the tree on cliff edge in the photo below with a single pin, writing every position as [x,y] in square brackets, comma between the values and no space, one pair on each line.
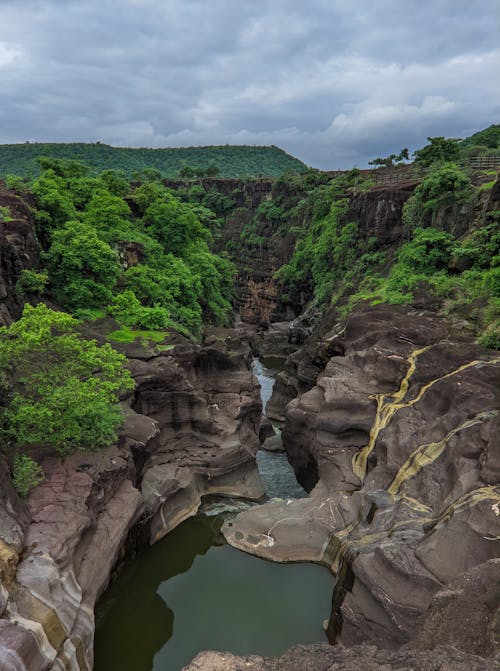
[58,389]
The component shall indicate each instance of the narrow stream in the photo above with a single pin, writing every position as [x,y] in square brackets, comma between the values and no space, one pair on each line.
[276,473]
[191,591]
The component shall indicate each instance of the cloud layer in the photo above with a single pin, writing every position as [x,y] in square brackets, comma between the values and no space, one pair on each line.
[334,82]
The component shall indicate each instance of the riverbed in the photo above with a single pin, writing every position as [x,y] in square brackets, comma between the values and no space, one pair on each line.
[191,591]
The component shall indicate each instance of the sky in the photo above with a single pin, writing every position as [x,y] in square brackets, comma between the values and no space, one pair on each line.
[334,82]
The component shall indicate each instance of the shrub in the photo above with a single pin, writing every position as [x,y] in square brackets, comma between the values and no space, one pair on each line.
[429,251]
[127,310]
[444,186]
[59,389]
[31,283]
[26,473]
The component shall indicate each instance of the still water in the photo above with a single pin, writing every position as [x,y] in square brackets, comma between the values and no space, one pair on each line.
[189,593]
[276,473]
[192,592]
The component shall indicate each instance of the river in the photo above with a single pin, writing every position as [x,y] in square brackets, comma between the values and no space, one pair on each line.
[191,591]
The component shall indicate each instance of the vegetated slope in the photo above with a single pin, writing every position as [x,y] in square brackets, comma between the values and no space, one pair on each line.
[485,141]
[229,160]
[320,243]
[142,257]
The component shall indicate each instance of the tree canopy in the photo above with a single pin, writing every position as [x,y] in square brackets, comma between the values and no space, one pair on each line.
[86,224]
[59,389]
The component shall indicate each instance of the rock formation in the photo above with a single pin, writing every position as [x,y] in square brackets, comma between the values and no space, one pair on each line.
[326,658]
[18,251]
[190,429]
[398,442]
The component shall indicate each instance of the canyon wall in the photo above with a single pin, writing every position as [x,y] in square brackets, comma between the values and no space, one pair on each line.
[190,429]
[390,420]
[18,251]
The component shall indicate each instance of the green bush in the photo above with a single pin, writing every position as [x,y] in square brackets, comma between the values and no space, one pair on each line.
[83,268]
[31,283]
[127,310]
[26,473]
[446,185]
[429,251]
[271,212]
[59,390]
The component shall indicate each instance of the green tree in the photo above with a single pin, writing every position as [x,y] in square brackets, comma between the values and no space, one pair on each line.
[55,205]
[58,389]
[83,269]
[212,170]
[439,150]
[186,172]
[174,225]
[392,159]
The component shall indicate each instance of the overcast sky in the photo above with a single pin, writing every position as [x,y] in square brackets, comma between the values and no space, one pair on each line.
[334,82]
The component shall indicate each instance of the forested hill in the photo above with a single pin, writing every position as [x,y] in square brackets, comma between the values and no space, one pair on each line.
[225,161]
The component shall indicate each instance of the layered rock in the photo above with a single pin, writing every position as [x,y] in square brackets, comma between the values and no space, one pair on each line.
[326,658]
[18,251]
[191,430]
[398,443]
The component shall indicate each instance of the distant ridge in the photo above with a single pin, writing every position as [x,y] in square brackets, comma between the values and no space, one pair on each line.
[231,160]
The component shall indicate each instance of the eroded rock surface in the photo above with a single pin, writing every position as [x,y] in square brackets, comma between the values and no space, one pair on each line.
[18,251]
[191,430]
[327,658]
[398,442]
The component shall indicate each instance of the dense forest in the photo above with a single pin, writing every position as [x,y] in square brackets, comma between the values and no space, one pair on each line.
[140,260]
[224,161]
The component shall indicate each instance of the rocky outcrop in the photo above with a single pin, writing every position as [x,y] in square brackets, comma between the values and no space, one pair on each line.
[398,443]
[190,429]
[326,658]
[18,251]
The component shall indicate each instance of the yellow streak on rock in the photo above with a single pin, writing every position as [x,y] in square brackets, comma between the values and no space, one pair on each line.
[428,453]
[387,409]
[415,504]
[489,493]
[368,540]
[384,414]
[8,563]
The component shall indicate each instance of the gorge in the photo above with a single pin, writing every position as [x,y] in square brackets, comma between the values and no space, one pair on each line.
[389,415]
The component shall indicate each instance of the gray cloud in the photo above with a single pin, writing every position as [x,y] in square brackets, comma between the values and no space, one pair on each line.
[333,82]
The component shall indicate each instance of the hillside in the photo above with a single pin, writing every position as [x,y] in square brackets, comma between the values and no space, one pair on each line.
[230,160]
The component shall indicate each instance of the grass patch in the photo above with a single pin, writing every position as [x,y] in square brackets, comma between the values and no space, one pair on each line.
[128,335]
[90,314]
[487,186]
[5,214]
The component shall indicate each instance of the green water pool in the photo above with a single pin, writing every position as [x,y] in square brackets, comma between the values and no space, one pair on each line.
[190,593]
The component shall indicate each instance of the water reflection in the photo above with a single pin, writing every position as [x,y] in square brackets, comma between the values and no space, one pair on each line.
[186,594]
[122,640]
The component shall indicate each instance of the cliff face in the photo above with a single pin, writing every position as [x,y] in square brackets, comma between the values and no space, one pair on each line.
[190,429]
[18,251]
[260,246]
[397,441]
